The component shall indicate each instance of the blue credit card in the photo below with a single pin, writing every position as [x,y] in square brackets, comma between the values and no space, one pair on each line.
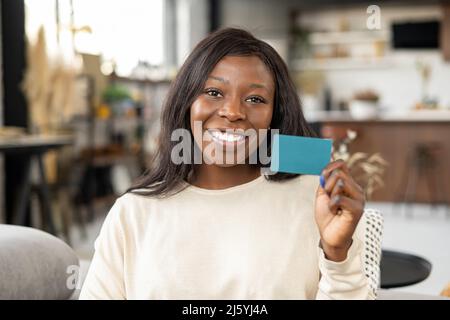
[301,155]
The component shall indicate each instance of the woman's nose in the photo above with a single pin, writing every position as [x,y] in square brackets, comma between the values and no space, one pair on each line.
[232,110]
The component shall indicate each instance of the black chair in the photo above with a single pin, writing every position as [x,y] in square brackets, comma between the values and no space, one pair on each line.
[401,269]
[424,165]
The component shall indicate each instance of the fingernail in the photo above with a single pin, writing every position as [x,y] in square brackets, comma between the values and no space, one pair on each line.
[322,181]
[336,199]
[340,183]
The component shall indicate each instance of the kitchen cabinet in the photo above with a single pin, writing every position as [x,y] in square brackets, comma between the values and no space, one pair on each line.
[418,153]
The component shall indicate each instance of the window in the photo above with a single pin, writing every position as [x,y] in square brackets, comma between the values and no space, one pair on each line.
[122,31]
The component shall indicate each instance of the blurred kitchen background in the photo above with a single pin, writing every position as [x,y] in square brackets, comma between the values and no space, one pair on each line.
[83,83]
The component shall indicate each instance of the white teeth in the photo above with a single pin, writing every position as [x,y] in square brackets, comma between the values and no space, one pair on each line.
[227,137]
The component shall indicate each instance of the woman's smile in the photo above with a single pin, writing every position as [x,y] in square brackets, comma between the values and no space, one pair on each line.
[228,137]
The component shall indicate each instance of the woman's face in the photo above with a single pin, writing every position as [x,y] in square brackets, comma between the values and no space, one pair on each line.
[236,101]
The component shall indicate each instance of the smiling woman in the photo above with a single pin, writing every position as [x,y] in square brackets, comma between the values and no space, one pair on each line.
[209,230]
[230,81]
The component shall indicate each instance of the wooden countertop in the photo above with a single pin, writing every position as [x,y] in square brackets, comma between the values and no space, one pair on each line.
[438,116]
[417,151]
[35,141]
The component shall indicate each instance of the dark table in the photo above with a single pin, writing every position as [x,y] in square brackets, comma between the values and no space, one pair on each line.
[33,147]
[402,269]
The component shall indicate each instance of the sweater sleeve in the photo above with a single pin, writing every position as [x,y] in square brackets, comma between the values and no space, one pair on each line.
[345,279]
[105,278]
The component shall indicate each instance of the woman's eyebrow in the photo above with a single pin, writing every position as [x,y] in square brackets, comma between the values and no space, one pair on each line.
[251,85]
[219,79]
[258,85]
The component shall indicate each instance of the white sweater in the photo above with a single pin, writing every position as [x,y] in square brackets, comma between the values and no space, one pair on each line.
[258,240]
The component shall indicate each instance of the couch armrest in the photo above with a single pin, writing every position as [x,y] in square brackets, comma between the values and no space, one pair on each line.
[34,264]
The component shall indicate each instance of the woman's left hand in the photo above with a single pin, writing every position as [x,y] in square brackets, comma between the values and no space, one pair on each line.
[338,208]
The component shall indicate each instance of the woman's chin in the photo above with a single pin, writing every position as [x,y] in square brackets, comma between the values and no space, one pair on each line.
[225,165]
[227,162]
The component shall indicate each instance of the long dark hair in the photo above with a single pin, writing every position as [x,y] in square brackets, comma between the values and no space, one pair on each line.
[166,177]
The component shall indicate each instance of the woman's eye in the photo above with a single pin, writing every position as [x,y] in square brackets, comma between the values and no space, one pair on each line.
[256,100]
[213,93]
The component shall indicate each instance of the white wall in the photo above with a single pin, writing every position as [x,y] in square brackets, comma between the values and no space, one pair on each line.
[399,85]
[2,177]
[192,25]
[265,19]
[262,17]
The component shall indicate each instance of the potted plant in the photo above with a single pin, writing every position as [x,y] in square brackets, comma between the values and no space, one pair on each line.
[364,105]
[367,170]
[118,98]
